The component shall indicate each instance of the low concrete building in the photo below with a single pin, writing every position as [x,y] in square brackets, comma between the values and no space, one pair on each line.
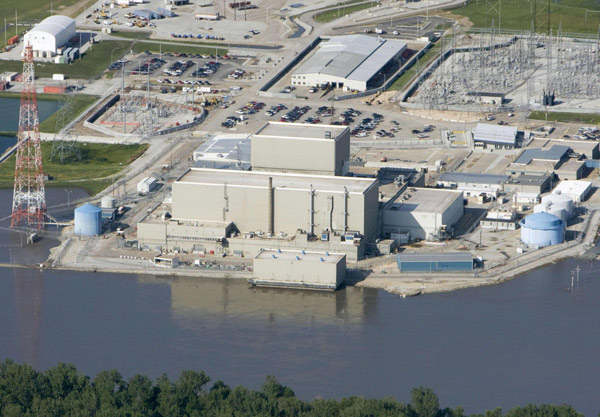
[487,98]
[435,262]
[527,189]
[500,219]
[570,170]
[472,184]
[539,161]
[577,190]
[301,148]
[299,269]
[425,213]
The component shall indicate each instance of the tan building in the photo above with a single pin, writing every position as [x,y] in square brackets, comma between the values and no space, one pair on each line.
[301,148]
[299,269]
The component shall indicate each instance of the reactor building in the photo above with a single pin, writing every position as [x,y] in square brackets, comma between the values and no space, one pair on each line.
[294,199]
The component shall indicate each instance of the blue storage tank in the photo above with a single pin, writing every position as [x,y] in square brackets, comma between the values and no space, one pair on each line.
[542,229]
[88,220]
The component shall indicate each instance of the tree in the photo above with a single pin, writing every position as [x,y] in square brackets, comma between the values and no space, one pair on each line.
[424,402]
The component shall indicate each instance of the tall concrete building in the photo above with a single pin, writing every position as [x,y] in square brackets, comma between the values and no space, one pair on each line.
[301,148]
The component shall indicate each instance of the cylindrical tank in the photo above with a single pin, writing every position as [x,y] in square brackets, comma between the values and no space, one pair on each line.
[88,220]
[559,202]
[542,229]
[107,202]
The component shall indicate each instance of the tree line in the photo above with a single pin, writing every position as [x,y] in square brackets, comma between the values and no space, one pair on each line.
[63,391]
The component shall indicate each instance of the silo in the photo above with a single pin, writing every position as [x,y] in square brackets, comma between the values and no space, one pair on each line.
[542,229]
[559,202]
[88,220]
[107,202]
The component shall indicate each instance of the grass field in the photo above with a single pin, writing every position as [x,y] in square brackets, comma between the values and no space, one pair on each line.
[405,78]
[180,48]
[38,9]
[331,15]
[131,34]
[99,162]
[579,16]
[91,65]
[566,117]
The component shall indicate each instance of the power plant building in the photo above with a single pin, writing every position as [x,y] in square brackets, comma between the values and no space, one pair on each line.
[425,213]
[301,148]
[542,229]
[352,62]
[49,35]
[472,184]
[299,269]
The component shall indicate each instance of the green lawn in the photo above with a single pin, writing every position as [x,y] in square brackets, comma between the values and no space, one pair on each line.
[566,117]
[80,103]
[333,14]
[91,65]
[99,162]
[407,77]
[179,48]
[130,34]
[518,14]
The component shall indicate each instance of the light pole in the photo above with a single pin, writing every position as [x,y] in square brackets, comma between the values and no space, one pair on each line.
[10,256]
[68,197]
[111,54]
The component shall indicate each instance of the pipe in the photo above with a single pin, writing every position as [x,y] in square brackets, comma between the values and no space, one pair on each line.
[311,215]
[271,207]
[331,215]
[345,210]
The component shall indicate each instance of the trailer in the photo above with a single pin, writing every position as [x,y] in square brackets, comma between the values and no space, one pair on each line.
[204,16]
[239,4]
[147,185]
[13,40]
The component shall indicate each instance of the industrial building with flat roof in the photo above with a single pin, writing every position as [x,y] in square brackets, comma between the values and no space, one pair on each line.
[528,188]
[435,262]
[49,35]
[350,61]
[301,148]
[577,190]
[299,269]
[473,184]
[224,152]
[425,213]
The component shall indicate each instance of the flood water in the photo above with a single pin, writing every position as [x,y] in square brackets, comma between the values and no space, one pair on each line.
[9,109]
[527,340]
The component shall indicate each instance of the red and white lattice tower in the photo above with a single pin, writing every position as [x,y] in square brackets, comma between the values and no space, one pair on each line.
[29,197]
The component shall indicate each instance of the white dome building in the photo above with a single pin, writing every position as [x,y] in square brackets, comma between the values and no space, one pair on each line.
[50,34]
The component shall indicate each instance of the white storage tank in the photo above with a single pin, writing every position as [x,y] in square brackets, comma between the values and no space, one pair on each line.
[560,205]
[108,202]
[542,229]
[88,220]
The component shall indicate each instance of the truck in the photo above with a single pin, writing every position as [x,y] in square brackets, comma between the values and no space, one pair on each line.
[379,31]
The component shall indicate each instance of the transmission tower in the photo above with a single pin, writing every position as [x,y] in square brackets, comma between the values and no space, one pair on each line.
[64,147]
[29,197]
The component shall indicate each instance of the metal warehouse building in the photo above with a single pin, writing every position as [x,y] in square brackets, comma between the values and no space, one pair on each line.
[299,269]
[350,62]
[50,34]
[301,148]
[435,262]
[473,184]
[494,135]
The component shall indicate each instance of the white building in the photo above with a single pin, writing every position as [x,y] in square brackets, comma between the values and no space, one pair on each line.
[50,34]
[426,213]
[350,62]
[495,136]
[473,184]
[577,190]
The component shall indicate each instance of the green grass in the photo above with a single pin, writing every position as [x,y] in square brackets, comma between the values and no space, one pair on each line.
[31,9]
[333,14]
[408,76]
[518,15]
[179,48]
[99,162]
[80,103]
[132,34]
[91,65]
[566,117]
